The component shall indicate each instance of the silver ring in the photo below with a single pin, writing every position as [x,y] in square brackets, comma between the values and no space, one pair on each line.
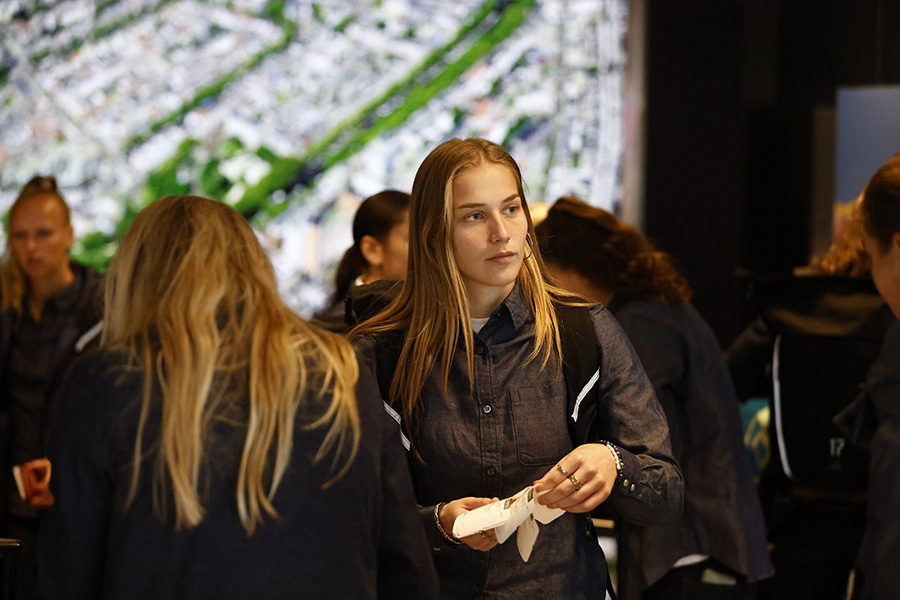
[562,470]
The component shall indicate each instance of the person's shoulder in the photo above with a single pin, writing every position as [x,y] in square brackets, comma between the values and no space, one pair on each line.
[99,382]
[683,321]
[650,310]
[101,366]
[653,321]
[599,314]
[90,278]
[366,301]
[89,303]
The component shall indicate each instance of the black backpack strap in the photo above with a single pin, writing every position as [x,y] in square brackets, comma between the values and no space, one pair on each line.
[581,369]
[387,352]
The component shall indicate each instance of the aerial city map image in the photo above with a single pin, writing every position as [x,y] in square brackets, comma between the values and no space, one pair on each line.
[294,111]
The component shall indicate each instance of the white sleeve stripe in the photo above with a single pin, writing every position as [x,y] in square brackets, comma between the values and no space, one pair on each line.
[393,413]
[776,399]
[396,416]
[584,392]
[88,336]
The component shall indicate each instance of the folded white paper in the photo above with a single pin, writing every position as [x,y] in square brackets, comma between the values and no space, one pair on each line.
[520,512]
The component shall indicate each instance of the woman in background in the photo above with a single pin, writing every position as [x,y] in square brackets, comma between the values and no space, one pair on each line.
[474,340]
[877,576]
[47,302]
[717,548]
[828,312]
[379,251]
[218,446]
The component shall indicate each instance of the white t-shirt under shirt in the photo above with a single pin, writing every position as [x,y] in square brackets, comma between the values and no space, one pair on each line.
[477,324]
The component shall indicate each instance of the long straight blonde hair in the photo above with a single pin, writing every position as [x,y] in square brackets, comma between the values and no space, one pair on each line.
[433,301]
[191,297]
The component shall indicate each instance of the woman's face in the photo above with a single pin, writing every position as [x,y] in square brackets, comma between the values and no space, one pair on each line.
[489,229]
[395,251]
[886,269]
[40,238]
[387,258]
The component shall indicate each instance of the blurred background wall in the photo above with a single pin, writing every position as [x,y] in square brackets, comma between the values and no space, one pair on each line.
[714,126]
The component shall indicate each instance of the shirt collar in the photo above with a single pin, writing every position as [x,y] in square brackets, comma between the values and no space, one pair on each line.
[514,308]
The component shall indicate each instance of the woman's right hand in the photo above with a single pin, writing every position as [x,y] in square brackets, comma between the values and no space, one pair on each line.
[483,541]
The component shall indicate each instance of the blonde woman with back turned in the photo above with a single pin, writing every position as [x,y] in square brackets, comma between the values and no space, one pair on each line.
[217,445]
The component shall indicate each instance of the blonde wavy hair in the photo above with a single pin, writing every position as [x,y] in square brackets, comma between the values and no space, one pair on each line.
[191,297]
[12,279]
[433,301]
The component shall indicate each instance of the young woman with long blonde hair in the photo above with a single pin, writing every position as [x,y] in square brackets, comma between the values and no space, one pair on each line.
[217,445]
[479,391]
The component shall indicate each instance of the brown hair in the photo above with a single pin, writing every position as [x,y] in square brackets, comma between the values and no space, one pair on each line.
[609,252]
[880,205]
[847,255]
[376,216]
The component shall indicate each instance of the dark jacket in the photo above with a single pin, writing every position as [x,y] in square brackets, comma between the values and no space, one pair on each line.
[722,518]
[85,313]
[818,305]
[359,538]
[877,575]
[510,432]
[830,329]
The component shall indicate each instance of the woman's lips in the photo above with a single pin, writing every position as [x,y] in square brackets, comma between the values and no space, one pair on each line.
[502,258]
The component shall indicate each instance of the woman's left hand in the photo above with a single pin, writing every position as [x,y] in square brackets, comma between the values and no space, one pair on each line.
[581,480]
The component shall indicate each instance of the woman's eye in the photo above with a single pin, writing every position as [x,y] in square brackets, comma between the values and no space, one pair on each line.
[473,217]
[511,210]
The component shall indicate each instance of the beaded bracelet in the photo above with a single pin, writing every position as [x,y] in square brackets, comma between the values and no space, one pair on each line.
[620,467]
[437,521]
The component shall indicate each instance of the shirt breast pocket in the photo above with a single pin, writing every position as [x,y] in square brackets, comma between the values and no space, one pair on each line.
[539,426]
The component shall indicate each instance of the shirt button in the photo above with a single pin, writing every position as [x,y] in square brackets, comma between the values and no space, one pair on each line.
[625,483]
[479,350]
[491,471]
[632,487]
[475,589]
[487,409]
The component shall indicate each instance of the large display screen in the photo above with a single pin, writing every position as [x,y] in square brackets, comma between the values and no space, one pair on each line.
[293,111]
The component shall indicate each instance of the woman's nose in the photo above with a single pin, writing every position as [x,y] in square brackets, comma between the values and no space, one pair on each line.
[499,231]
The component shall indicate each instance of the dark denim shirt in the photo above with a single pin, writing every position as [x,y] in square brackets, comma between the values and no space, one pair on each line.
[34,358]
[511,431]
